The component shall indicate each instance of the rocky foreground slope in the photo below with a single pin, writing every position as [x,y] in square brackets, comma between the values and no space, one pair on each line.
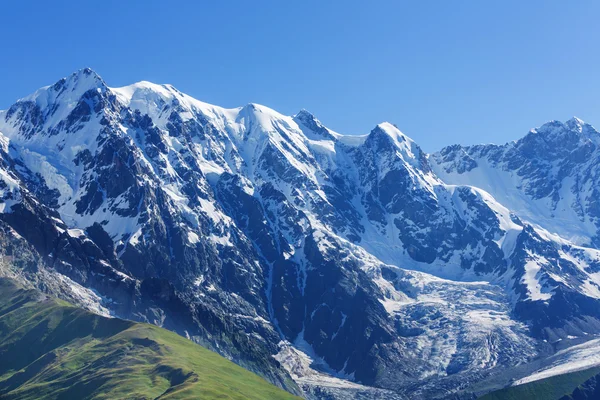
[352,264]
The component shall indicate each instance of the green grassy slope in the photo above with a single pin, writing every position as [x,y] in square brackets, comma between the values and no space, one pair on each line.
[52,350]
[552,388]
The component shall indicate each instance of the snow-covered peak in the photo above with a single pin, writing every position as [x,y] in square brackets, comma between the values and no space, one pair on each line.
[255,124]
[308,119]
[573,130]
[584,128]
[68,89]
[315,129]
[159,100]
[404,146]
[393,132]
[575,123]
[147,97]
[66,105]
[83,79]
[253,114]
[305,115]
[137,90]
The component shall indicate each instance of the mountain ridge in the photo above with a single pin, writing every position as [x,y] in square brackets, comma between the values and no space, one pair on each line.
[258,235]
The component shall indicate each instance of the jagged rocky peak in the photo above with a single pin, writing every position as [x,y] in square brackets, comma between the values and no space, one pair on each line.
[390,132]
[556,141]
[571,142]
[68,89]
[308,120]
[386,137]
[575,123]
[67,104]
[83,78]
[572,131]
[306,116]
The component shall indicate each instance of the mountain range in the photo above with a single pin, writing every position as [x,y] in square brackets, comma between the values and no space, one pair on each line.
[331,265]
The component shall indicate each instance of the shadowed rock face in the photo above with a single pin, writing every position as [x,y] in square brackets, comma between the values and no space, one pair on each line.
[249,231]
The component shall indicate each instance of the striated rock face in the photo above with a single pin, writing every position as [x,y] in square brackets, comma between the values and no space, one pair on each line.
[342,262]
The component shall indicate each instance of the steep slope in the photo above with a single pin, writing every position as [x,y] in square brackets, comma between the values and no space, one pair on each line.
[52,350]
[289,248]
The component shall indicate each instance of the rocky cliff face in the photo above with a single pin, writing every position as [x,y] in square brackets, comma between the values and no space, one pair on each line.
[344,262]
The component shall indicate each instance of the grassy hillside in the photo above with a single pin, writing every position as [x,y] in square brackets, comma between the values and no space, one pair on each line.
[52,350]
[552,388]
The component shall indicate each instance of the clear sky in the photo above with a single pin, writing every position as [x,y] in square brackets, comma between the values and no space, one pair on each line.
[443,71]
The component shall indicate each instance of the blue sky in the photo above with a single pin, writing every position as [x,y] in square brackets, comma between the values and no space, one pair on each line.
[443,71]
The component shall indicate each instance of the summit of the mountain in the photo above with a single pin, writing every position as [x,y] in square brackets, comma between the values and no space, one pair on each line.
[67,90]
